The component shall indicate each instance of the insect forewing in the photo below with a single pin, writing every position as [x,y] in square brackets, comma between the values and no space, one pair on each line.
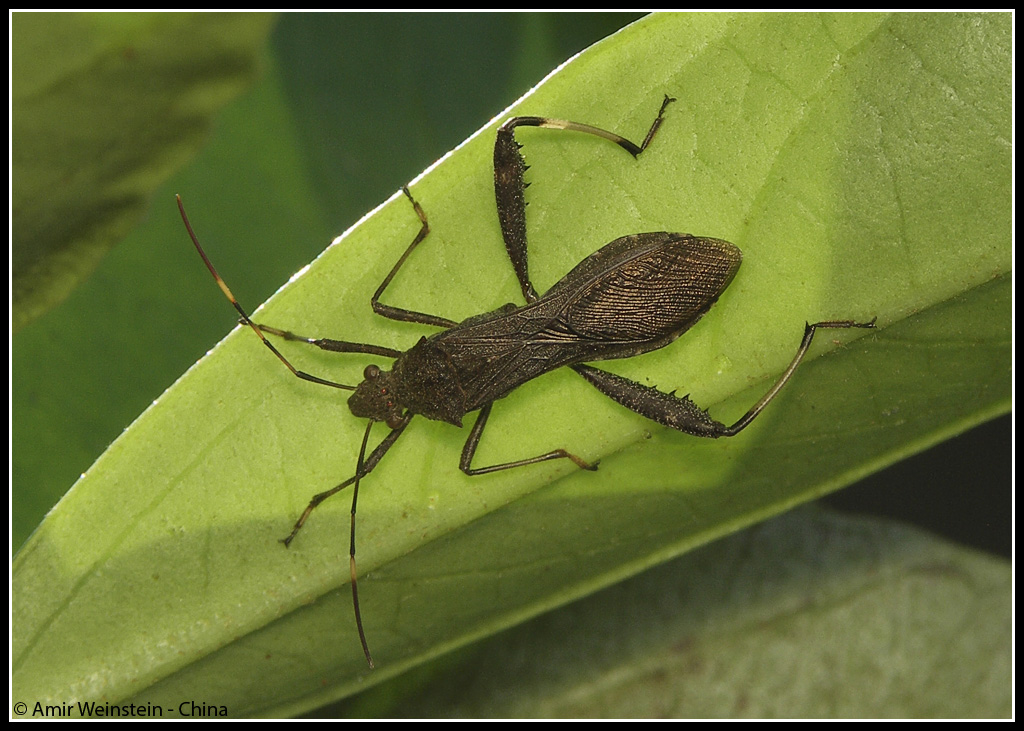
[646,289]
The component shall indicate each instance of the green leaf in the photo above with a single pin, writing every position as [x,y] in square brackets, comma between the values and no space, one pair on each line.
[864,171]
[105,107]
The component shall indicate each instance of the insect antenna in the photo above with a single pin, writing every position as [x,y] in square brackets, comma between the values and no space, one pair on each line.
[244,316]
[352,546]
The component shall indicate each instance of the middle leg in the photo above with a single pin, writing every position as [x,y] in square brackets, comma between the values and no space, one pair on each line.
[474,440]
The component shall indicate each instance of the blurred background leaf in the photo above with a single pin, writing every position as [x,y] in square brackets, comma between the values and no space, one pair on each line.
[106,106]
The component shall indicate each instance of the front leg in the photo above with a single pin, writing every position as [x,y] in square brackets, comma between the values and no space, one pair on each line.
[398,313]
[474,440]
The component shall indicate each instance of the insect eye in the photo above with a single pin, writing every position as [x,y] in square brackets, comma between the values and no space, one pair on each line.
[371,372]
